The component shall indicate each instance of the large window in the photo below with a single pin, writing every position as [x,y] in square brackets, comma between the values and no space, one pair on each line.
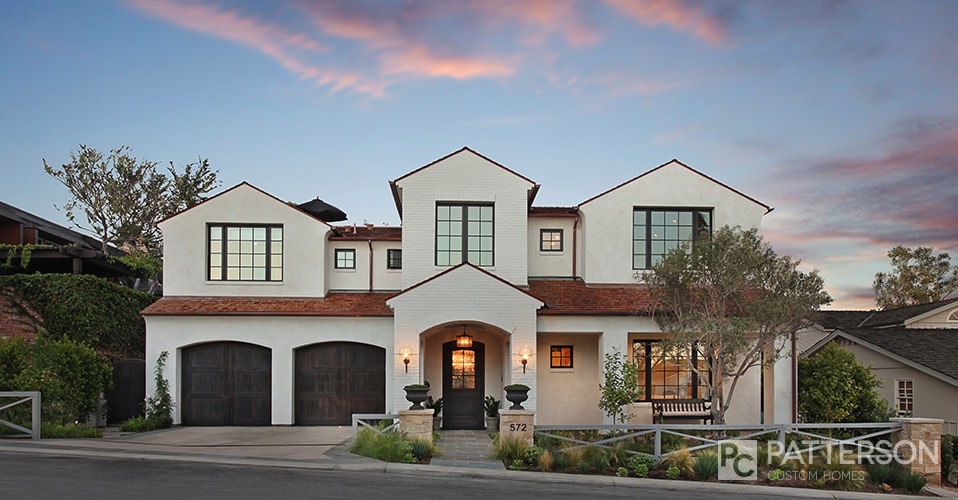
[245,253]
[345,258]
[464,233]
[550,240]
[667,373]
[657,231]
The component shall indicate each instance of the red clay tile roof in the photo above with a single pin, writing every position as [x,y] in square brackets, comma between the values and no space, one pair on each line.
[382,233]
[335,304]
[552,211]
[575,297]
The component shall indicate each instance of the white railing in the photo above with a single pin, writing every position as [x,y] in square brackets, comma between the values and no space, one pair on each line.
[372,421]
[949,427]
[34,398]
[708,436]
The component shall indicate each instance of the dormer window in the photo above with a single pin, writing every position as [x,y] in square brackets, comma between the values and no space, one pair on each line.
[245,253]
[464,233]
[657,231]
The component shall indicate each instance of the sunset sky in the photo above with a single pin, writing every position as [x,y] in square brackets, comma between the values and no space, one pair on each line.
[843,115]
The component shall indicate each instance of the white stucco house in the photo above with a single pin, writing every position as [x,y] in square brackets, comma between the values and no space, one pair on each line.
[274,315]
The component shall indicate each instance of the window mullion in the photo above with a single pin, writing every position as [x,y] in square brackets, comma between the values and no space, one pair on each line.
[465,233]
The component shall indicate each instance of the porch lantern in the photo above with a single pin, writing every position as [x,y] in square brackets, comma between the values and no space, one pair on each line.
[405,352]
[524,354]
[464,341]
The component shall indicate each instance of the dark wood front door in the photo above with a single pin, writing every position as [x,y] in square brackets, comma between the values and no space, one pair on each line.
[463,386]
[336,379]
[227,383]
[125,399]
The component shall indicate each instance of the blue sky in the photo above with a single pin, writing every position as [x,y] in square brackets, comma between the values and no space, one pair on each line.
[840,114]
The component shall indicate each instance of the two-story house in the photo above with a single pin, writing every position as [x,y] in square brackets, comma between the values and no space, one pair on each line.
[273,315]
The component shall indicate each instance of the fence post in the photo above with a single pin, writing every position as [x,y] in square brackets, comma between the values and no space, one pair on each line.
[917,446]
[416,424]
[517,424]
[35,416]
[658,443]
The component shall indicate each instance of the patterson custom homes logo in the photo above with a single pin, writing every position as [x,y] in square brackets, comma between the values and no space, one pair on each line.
[737,460]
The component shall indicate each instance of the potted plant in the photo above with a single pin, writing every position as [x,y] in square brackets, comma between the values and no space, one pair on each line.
[436,407]
[491,406]
[416,394]
[516,394]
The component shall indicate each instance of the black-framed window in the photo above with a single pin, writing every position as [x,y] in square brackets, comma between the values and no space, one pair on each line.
[464,233]
[560,356]
[656,231]
[393,258]
[244,252]
[550,240]
[345,258]
[667,373]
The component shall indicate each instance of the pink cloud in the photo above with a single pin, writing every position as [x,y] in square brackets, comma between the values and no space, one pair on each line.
[676,14]
[539,19]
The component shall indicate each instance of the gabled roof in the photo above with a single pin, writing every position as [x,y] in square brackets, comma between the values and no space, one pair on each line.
[460,266]
[335,304]
[574,297]
[397,197]
[690,169]
[246,184]
[50,230]
[553,211]
[878,319]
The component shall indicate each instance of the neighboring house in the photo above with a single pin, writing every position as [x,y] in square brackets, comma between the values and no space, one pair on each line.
[913,350]
[273,315]
[50,248]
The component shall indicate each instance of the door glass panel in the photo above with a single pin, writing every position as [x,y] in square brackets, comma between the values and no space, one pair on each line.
[463,369]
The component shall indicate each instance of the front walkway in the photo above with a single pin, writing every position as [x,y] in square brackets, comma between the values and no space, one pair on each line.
[466,449]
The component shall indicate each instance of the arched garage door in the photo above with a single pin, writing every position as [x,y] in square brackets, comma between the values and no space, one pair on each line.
[336,379]
[226,383]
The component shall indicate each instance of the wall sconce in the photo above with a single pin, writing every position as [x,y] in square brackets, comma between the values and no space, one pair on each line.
[405,352]
[524,354]
[464,341]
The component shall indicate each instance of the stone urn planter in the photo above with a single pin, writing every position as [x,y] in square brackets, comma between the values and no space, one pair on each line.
[491,407]
[416,394]
[516,394]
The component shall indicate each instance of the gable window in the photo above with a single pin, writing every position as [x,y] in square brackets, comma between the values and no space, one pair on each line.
[657,231]
[904,397]
[550,240]
[393,258]
[953,316]
[345,258]
[464,233]
[560,356]
[667,373]
[244,253]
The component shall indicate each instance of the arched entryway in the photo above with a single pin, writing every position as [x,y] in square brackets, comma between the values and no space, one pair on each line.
[226,383]
[336,379]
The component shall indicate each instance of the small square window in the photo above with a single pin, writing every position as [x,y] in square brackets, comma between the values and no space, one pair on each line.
[560,356]
[550,240]
[345,258]
[393,258]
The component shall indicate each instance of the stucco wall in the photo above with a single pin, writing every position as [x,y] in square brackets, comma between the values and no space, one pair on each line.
[185,247]
[281,334]
[569,395]
[464,178]
[607,220]
[550,264]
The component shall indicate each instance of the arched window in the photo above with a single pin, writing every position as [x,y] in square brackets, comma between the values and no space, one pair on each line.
[953,316]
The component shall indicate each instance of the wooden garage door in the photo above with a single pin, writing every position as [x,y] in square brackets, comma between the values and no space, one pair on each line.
[336,379]
[226,383]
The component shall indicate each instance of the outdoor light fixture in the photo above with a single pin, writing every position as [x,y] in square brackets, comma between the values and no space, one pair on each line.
[406,352]
[465,340]
[524,354]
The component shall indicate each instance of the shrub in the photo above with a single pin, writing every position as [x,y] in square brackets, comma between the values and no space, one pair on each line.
[642,470]
[622,472]
[673,472]
[159,407]
[546,460]
[508,449]
[595,459]
[388,447]
[841,470]
[518,464]
[834,387]
[949,452]
[706,465]
[69,431]
[531,455]
[913,482]
[883,474]
[680,459]
[642,460]
[422,448]
[618,456]
[561,460]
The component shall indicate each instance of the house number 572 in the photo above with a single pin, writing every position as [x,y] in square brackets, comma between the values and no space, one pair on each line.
[517,427]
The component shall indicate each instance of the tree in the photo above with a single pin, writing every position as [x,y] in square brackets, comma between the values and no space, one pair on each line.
[734,299]
[621,386]
[834,387]
[918,276]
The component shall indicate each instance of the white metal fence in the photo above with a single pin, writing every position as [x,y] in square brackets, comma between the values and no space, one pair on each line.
[34,398]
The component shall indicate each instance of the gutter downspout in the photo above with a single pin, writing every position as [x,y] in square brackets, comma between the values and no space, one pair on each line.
[370,264]
[575,226]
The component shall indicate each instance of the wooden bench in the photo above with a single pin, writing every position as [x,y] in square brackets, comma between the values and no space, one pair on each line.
[681,409]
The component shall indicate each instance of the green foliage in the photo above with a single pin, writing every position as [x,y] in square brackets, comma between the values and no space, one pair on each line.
[68,431]
[491,406]
[509,449]
[532,454]
[883,473]
[69,375]
[913,482]
[642,460]
[734,298]
[621,386]
[87,309]
[388,447]
[622,472]
[673,472]
[839,470]
[159,406]
[140,424]
[776,474]
[949,452]
[546,460]
[593,459]
[706,465]
[680,459]
[918,276]
[518,464]
[562,461]
[642,470]
[422,448]
[834,387]
[19,252]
